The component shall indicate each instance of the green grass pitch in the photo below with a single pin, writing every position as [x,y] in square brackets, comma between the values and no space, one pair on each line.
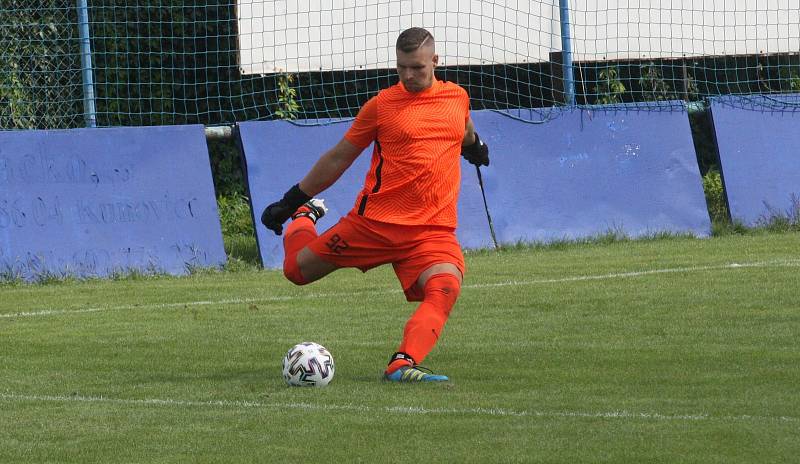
[670,350]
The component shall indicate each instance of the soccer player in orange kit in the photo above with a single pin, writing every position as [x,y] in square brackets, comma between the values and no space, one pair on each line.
[406,213]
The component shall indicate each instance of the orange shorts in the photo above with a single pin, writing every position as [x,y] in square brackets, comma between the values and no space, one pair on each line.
[362,243]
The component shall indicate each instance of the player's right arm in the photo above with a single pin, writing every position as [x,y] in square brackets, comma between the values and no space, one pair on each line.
[329,167]
[326,171]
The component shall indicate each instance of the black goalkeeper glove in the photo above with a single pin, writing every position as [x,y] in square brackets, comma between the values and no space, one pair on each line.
[279,212]
[477,153]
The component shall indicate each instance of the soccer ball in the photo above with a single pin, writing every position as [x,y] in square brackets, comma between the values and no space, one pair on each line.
[308,364]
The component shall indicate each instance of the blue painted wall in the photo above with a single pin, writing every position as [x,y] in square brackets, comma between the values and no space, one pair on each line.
[585,172]
[90,202]
[759,149]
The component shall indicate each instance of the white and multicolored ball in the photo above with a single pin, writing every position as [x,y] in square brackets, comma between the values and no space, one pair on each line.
[308,364]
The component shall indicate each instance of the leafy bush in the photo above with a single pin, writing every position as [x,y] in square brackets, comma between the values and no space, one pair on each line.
[715,196]
[654,86]
[238,232]
[609,88]
[234,214]
[40,79]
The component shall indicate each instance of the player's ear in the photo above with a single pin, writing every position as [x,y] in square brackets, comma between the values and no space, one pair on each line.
[435,59]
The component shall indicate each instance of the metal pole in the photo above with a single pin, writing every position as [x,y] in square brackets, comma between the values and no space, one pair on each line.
[89,111]
[219,133]
[566,49]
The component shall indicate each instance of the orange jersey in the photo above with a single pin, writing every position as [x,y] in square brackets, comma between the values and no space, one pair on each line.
[415,173]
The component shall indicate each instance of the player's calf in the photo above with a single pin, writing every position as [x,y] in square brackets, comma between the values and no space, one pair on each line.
[298,235]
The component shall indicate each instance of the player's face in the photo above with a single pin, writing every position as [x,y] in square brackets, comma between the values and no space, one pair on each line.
[416,68]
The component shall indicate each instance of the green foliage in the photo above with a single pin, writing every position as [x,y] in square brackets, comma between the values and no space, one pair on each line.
[654,86]
[287,106]
[792,79]
[40,84]
[238,232]
[15,103]
[609,88]
[692,89]
[725,228]
[785,77]
[715,197]
[235,215]
[243,253]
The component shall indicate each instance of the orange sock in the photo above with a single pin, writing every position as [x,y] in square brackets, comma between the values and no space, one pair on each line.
[399,360]
[299,233]
[425,325]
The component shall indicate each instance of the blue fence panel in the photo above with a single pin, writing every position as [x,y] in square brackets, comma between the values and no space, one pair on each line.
[92,202]
[586,172]
[758,138]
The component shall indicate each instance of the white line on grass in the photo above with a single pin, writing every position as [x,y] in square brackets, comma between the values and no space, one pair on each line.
[622,275]
[12,397]
[312,295]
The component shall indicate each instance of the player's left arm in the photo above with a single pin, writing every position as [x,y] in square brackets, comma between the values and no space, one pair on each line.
[473,149]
